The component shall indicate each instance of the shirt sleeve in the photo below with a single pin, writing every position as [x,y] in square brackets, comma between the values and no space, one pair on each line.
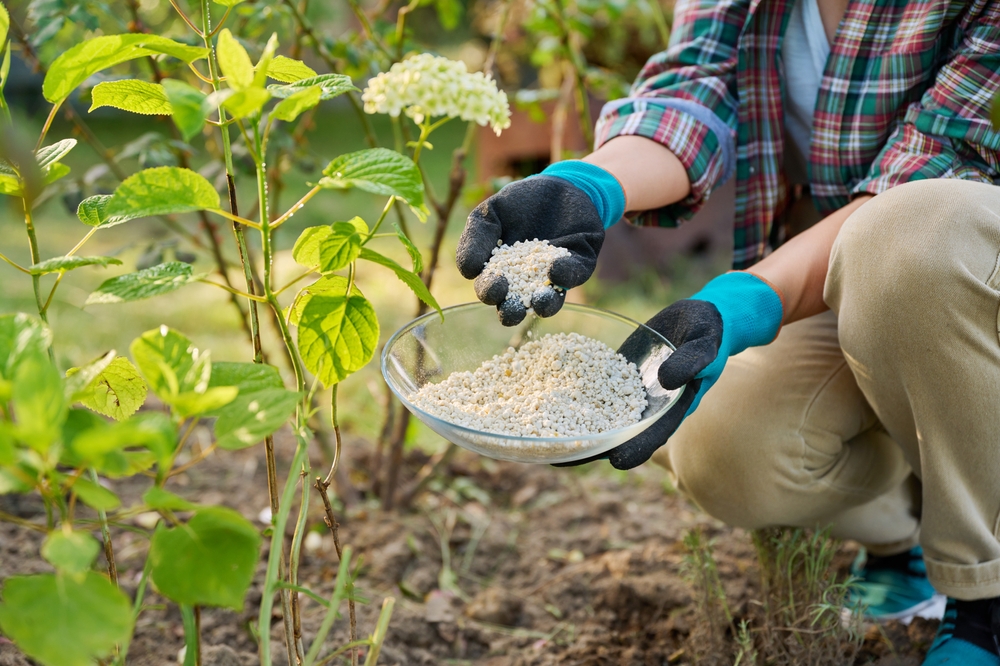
[685,99]
[947,133]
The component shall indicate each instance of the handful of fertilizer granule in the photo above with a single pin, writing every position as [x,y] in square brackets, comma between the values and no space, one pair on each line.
[525,268]
[561,385]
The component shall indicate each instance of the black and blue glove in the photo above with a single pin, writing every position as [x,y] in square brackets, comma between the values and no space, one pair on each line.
[569,204]
[731,313]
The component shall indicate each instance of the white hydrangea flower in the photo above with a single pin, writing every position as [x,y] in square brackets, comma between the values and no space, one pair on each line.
[427,86]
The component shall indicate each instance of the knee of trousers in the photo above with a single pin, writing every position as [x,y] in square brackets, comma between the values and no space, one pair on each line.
[729,468]
[903,259]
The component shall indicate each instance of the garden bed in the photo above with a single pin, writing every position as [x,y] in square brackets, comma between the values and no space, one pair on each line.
[547,567]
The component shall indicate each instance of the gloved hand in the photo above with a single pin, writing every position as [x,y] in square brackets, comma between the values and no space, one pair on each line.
[733,312]
[569,204]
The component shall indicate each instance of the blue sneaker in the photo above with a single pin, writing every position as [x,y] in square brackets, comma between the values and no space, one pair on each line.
[895,587]
[968,635]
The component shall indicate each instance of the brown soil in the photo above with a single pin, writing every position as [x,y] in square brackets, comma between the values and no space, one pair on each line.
[547,566]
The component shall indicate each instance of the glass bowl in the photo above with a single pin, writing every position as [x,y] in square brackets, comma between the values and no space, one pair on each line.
[429,349]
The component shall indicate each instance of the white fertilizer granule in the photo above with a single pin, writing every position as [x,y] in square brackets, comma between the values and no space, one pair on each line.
[561,385]
[526,266]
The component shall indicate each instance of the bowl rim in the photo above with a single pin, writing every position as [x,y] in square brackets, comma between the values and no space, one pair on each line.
[578,307]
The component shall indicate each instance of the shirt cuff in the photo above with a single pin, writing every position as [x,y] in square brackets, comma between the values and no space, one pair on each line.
[701,140]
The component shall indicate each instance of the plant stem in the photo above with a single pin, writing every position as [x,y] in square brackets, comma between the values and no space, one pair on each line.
[109,549]
[291,211]
[378,223]
[381,627]
[296,280]
[47,125]
[289,598]
[336,433]
[275,556]
[140,594]
[237,292]
[192,653]
[277,539]
[35,258]
[296,555]
[187,20]
[331,522]
[227,151]
[339,590]
[52,292]
[235,218]
[14,264]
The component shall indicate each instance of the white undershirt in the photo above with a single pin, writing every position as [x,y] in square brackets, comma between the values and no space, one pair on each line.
[804,53]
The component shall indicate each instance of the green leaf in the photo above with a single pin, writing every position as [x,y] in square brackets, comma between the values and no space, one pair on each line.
[411,249]
[162,191]
[5,67]
[21,337]
[328,285]
[39,402]
[260,71]
[54,172]
[288,70]
[227,3]
[449,13]
[192,403]
[379,171]
[331,84]
[49,155]
[247,377]
[307,248]
[209,561]
[305,252]
[92,211]
[189,106]
[289,108]
[142,97]
[77,64]
[337,336]
[171,363]
[8,455]
[10,185]
[95,495]
[234,61]
[100,444]
[63,264]
[70,551]
[103,444]
[179,373]
[340,248]
[253,416]
[117,390]
[149,282]
[13,483]
[4,24]
[410,279]
[62,620]
[79,379]
[244,102]
[158,498]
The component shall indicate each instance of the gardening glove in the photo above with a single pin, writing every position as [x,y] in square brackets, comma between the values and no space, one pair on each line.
[569,204]
[734,311]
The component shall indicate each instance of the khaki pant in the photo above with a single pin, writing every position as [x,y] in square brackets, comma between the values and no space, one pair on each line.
[882,416]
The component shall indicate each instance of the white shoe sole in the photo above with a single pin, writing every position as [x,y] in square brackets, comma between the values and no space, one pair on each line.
[931,609]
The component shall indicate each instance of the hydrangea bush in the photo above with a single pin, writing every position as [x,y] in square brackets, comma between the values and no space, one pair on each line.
[62,430]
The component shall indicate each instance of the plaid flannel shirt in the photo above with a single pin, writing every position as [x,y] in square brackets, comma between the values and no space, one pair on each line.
[905,96]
